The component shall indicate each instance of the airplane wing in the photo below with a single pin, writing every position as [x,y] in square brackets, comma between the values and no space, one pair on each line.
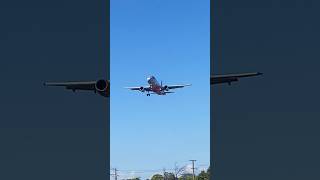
[228,78]
[75,85]
[141,88]
[177,86]
[100,86]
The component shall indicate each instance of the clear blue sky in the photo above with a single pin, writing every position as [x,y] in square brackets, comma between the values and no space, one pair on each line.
[170,40]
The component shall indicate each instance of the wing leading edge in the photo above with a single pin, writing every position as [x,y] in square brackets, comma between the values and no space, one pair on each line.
[228,78]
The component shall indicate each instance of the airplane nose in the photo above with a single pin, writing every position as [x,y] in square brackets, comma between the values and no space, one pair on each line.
[149,78]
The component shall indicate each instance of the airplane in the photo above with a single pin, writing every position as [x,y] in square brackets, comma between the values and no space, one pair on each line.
[228,78]
[102,87]
[156,88]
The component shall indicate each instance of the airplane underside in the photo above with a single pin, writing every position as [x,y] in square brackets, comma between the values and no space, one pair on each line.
[161,93]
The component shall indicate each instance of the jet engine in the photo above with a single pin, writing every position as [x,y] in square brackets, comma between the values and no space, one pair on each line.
[103,87]
[166,88]
[142,89]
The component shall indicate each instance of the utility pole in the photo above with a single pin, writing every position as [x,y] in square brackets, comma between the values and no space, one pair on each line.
[115,174]
[193,175]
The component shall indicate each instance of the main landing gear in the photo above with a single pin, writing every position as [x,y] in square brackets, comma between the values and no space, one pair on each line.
[148,94]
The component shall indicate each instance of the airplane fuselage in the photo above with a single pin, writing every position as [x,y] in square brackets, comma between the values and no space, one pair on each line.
[155,86]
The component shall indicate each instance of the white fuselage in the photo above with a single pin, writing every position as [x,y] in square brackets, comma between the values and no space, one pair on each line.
[155,86]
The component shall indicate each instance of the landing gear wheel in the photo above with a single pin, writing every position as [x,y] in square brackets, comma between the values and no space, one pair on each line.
[148,94]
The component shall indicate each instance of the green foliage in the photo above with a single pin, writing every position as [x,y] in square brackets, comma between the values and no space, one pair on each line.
[186,176]
[208,170]
[203,176]
[137,178]
[157,177]
[169,176]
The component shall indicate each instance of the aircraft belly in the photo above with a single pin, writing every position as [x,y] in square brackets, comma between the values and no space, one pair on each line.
[156,89]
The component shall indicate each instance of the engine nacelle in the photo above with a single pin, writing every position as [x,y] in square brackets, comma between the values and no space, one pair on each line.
[166,88]
[101,85]
[142,89]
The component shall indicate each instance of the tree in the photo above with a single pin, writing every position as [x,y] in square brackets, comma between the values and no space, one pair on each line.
[137,178]
[169,176]
[203,176]
[157,177]
[186,176]
[208,170]
[178,170]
